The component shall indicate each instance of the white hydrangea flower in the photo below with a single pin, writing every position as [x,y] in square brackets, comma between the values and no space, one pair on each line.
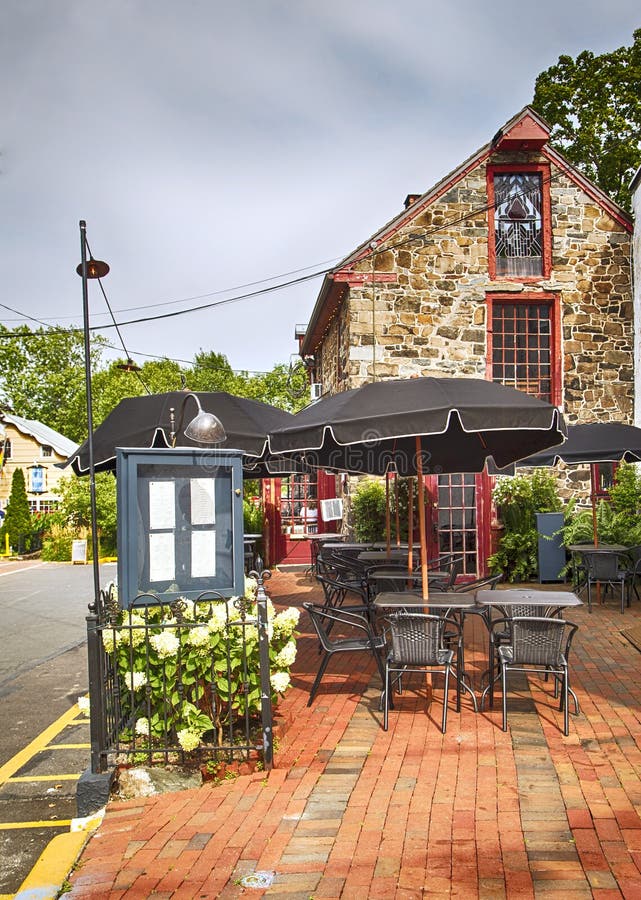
[199,636]
[286,656]
[286,621]
[142,727]
[165,644]
[135,680]
[279,681]
[189,611]
[251,586]
[188,739]
[133,632]
[83,705]
[218,619]
[108,641]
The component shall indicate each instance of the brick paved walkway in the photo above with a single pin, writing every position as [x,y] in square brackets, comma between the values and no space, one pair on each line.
[353,811]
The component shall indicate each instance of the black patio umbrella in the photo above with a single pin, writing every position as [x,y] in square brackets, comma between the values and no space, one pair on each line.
[421,425]
[597,442]
[147,422]
[460,422]
[594,443]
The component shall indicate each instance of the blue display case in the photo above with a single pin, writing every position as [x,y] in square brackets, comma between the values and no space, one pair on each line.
[180,523]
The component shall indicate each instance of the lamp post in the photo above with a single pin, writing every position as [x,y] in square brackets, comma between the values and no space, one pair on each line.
[92,783]
[92,268]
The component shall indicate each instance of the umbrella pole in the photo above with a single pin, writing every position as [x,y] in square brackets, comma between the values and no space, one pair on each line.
[421,518]
[595,528]
[398,521]
[388,533]
[410,525]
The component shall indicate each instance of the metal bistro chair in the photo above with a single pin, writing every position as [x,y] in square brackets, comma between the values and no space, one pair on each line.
[609,568]
[536,644]
[633,556]
[417,645]
[362,639]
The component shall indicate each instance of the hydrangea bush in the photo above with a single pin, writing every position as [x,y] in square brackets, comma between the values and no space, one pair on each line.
[187,673]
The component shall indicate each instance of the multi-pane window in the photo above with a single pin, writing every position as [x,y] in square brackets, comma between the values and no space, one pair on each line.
[521,342]
[46,451]
[457,520]
[518,224]
[299,504]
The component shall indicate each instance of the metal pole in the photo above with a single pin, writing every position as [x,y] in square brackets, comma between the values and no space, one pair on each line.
[265,684]
[96,709]
[92,473]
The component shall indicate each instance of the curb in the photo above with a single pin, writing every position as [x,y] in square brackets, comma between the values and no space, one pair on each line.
[48,875]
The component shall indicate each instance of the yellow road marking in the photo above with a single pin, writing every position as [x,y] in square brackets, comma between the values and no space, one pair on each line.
[37,744]
[73,777]
[66,747]
[47,823]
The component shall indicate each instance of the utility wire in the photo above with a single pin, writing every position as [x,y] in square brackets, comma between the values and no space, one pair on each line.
[410,239]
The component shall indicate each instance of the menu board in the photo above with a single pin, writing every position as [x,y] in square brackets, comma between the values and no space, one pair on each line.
[182,511]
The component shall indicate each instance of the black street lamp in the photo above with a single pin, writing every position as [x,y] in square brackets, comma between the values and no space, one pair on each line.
[93,785]
[90,268]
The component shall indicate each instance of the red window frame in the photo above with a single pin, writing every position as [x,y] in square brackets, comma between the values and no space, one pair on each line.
[554,303]
[546,220]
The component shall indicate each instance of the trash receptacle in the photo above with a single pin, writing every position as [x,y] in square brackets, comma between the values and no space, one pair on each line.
[551,551]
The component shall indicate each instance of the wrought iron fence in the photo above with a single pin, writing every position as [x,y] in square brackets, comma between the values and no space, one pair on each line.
[179,682]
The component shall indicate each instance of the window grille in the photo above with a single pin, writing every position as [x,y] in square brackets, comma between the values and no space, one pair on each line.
[521,347]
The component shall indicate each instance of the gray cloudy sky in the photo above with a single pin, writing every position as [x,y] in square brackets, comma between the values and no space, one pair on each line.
[210,145]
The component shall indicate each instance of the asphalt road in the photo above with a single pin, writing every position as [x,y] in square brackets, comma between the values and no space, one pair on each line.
[43,670]
[42,611]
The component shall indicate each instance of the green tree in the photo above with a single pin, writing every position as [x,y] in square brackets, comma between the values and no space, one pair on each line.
[593,104]
[18,523]
[43,377]
[75,507]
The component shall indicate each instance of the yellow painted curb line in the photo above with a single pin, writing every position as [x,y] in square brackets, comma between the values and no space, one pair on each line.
[44,738]
[72,776]
[47,876]
[45,823]
[57,859]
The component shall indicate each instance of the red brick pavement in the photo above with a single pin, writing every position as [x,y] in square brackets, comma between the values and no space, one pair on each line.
[353,811]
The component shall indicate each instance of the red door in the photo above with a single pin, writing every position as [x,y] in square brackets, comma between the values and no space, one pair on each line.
[293,515]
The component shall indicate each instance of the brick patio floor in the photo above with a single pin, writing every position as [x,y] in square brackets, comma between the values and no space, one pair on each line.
[352,811]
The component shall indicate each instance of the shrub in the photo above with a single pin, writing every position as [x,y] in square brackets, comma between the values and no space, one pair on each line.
[518,499]
[181,670]
[368,508]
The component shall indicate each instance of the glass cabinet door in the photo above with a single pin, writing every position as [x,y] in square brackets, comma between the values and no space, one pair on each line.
[299,504]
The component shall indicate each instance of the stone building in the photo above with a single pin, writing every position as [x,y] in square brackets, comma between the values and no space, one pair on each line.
[514,268]
[635,189]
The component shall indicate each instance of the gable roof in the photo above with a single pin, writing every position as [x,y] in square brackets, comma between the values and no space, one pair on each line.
[527,130]
[44,435]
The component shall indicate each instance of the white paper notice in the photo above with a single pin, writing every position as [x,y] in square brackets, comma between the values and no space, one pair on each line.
[162,563]
[203,507]
[162,504]
[203,553]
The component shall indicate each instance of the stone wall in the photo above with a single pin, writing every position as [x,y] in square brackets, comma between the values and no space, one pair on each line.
[432,321]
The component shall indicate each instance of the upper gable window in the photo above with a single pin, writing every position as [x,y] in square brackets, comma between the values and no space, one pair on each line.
[519,222]
[46,451]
